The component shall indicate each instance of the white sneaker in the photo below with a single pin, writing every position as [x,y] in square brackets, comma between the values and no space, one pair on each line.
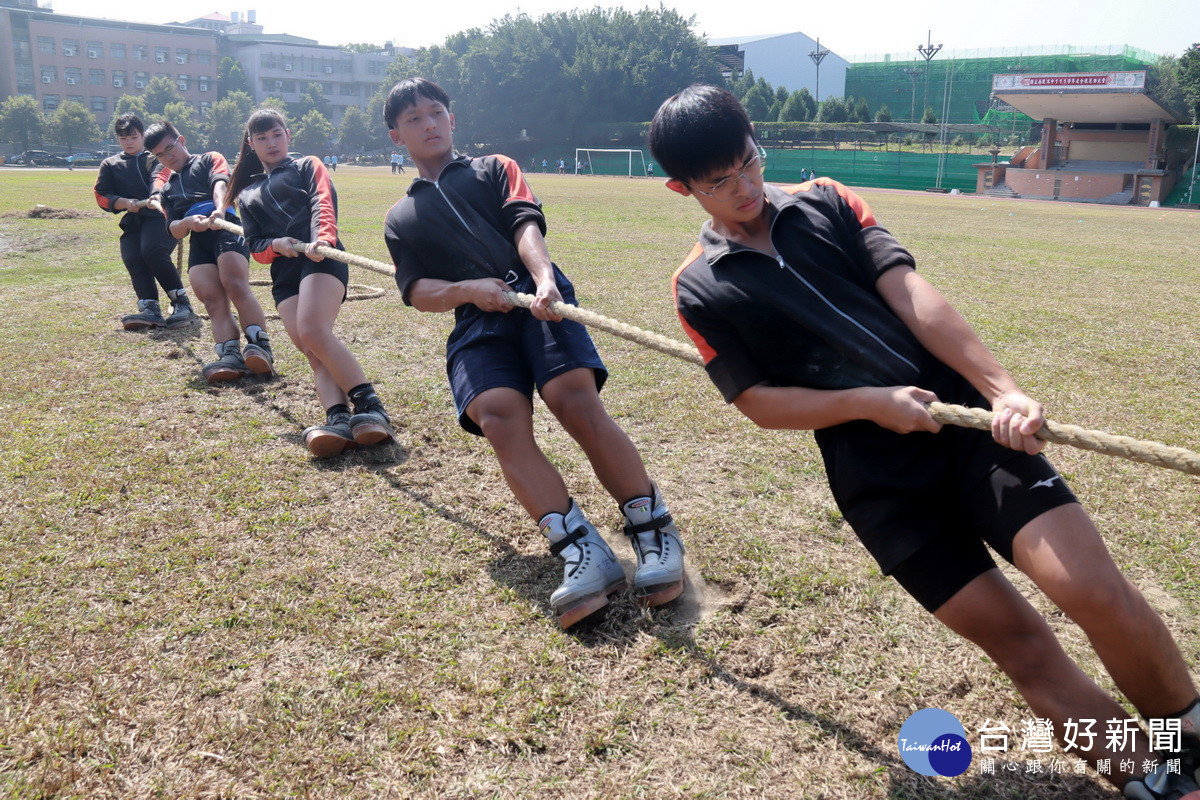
[591,572]
[659,550]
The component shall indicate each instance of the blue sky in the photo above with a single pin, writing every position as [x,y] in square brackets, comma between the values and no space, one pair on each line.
[861,27]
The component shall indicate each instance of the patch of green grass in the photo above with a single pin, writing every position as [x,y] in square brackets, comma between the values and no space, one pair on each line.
[190,606]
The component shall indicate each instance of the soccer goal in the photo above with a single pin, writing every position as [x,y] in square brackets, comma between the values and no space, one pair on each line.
[599,161]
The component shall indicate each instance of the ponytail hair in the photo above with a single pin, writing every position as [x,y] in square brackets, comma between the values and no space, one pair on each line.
[248,164]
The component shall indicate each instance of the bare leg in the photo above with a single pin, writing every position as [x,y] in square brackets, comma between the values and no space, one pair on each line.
[573,399]
[992,614]
[235,277]
[1062,553]
[506,418]
[206,282]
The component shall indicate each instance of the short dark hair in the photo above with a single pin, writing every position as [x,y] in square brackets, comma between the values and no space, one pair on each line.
[405,93]
[128,124]
[698,132]
[157,132]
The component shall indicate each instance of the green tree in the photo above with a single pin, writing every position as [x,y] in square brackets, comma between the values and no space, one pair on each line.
[1162,81]
[160,92]
[833,109]
[231,78]
[227,122]
[360,47]
[794,109]
[131,104]
[810,103]
[72,124]
[355,135]
[312,135]
[21,121]
[275,102]
[312,98]
[929,118]
[1189,80]
[883,114]
[740,84]
[757,105]
[861,111]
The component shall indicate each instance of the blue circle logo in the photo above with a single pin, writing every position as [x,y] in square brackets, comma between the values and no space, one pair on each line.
[933,742]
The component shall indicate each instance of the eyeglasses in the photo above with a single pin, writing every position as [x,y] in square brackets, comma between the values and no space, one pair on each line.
[726,188]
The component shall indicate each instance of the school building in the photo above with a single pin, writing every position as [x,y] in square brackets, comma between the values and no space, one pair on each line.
[783,59]
[1103,139]
[56,57]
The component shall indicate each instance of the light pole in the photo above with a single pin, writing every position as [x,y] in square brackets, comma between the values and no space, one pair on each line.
[912,106]
[818,56]
[928,51]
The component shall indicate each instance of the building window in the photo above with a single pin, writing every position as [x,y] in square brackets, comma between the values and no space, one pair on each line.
[348,89]
[96,77]
[161,54]
[182,56]
[205,107]
[70,47]
[25,79]
[162,75]
[49,102]
[74,76]
[289,86]
[140,79]
[46,44]
[99,103]
[49,74]
[182,83]
[119,78]
[116,50]
[141,52]
[76,98]
[202,83]
[268,61]
[203,57]
[95,49]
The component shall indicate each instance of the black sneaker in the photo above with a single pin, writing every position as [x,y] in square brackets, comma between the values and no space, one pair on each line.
[181,313]
[258,356]
[372,426]
[229,366]
[326,441]
[149,315]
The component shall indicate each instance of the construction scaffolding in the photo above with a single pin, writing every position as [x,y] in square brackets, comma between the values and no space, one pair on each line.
[961,80]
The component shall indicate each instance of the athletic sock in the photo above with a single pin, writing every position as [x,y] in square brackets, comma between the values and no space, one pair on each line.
[1189,719]
[336,408]
[253,332]
[178,294]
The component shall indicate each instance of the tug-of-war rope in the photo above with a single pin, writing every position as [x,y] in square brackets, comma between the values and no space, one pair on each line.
[1145,451]
[355,291]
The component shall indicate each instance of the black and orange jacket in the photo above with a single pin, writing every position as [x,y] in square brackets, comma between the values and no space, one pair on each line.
[461,226]
[193,184]
[135,177]
[810,318]
[295,199]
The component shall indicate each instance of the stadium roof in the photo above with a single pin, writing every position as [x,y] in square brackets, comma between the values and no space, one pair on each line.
[1106,97]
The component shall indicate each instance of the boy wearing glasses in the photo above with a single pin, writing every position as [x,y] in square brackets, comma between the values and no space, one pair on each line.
[810,316]
[218,261]
[467,231]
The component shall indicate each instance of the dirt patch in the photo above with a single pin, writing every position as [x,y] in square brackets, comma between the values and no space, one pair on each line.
[46,212]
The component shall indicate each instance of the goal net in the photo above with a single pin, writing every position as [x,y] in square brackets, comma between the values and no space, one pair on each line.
[599,161]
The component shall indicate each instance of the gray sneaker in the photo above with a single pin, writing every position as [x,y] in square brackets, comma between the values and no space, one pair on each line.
[1161,784]
[326,441]
[659,550]
[181,313]
[259,358]
[372,426]
[149,315]
[590,570]
[229,365]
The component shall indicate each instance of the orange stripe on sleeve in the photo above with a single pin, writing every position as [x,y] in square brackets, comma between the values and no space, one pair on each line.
[518,189]
[702,345]
[326,222]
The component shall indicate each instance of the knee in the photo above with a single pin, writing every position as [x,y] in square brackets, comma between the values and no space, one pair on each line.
[505,427]
[1026,653]
[1109,600]
[581,414]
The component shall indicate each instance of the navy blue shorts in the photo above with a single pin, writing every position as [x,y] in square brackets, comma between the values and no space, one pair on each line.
[206,246]
[287,273]
[490,350]
[925,504]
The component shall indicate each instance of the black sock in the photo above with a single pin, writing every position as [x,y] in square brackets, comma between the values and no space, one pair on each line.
[337,408]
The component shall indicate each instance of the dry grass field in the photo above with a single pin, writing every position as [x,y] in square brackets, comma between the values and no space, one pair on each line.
[192,607]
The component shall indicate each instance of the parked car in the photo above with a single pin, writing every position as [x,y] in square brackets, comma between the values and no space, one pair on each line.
[41,158]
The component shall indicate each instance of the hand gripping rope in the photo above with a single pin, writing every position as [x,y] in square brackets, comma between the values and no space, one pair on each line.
[361,292]
[1148,452]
